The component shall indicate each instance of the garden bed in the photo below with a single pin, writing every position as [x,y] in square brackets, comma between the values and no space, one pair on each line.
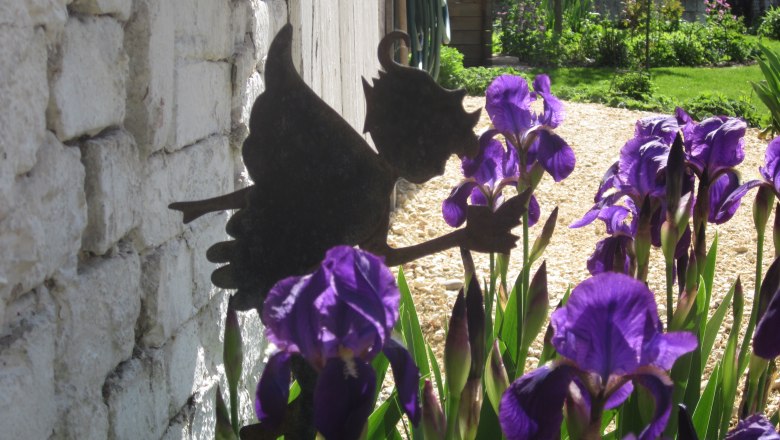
[596,134]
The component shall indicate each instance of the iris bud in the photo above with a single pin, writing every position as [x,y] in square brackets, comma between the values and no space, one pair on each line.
[457,350]
[434,423]
[496,377]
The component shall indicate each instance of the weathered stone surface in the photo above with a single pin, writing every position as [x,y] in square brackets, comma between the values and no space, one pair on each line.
[118,8]
[98,311]
[85,101]
[167,287]
[51,15]
[255,344]
[204,418]
[202,101]
[83,415]
[149,41]
[199,238]
[185,359]
[113,189]
[203,29]
[259,27]
[197,172]
[43,234]
[27,379]
[25,91]
[137,398]
[252,85]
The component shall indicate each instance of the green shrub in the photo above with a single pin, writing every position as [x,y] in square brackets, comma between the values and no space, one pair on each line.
[451,68]
[634,85]
[688,51]
[613,48]
[716,104]
[770,25]
[476,79]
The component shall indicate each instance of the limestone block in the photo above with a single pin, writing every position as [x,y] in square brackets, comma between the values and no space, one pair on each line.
[211,330]
[118,8]
[238,20]
[249,85]
[98,311]
[203,91]
[199,238]
[203,29]
[201,171]
[167,287]
[51,15]
[43,233]
[204,419]
[137,398]
[113,189]
[83,416]
[88,79]
[27,380]
[255,344]
[185,359]
[260,28]
[25,91]
[149,41]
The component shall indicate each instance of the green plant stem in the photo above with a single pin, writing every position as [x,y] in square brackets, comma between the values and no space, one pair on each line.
[526,269]
[669,292]
[234,409]
[453,431]
[743,357]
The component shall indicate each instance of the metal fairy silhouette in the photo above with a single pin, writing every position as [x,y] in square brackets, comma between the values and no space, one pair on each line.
[317,183]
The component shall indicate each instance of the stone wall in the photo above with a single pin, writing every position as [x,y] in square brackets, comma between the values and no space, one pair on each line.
[111,110]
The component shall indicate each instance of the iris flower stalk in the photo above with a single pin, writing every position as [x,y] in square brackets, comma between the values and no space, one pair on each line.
[508,103]
[609,338]
[768,189]
[337,320]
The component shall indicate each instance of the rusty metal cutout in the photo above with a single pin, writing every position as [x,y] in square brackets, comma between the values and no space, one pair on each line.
[318,184]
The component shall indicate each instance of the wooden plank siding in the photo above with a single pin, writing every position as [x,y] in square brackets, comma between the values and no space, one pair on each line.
[471,28]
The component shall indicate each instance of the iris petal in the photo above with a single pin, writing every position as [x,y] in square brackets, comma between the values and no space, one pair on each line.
[766,341]
[407,379]
[532,407]
[344,398]
[454,207]
[726,196]
[755,427]
[273,390]
[664,349]
[507,101]
[291,321]
[663,127]
[555,155]
[602,327]
[661,387]
[609,251]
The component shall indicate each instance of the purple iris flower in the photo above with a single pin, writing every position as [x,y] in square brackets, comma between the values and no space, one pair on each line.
[508,102]
[610,337]
[486,175]
[715,146]
[755,427]
[771,179]
[338,319]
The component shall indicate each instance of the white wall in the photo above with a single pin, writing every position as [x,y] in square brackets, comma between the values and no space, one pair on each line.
[111,110]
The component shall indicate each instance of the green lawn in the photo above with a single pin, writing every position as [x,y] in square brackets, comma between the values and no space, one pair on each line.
[678,83]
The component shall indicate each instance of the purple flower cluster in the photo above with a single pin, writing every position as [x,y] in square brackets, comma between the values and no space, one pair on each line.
[338,319]
[531,148]
[637,182]
[610,338]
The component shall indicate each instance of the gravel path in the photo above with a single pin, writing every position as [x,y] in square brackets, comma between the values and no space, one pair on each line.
[596,133]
